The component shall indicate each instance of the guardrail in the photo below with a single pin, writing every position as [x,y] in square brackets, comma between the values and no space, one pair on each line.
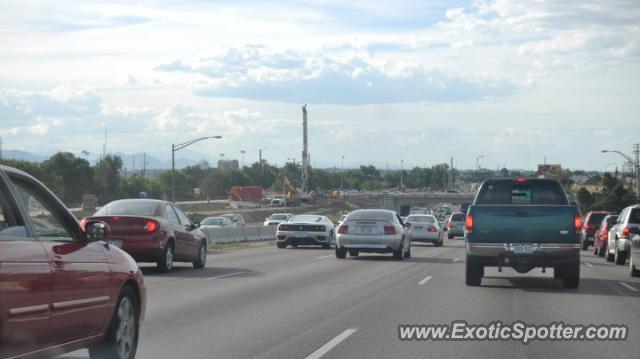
[240,234]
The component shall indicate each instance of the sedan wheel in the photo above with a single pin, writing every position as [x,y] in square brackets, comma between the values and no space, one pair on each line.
[165,264]
[121,341]
[201,262]
[633,271]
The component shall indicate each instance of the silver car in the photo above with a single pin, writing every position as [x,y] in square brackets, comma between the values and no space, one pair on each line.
[305,229]
[425,228]
[619,242]
[373,231]
[277,218]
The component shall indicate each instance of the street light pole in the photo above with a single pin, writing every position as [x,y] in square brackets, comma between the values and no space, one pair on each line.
[342,173]
[636,163]
[178,147]
[401,175]
[478,162]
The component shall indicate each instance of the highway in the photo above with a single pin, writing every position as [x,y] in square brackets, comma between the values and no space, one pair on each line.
[263,302]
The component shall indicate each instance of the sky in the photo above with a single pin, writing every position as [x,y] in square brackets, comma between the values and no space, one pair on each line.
[386,82]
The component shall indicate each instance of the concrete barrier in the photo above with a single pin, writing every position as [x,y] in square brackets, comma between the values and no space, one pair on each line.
[240,234]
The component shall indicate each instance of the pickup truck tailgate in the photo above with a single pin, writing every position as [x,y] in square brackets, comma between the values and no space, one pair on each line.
[523,224]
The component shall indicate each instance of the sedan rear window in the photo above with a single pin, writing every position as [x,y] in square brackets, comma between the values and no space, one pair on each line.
[306,218]
[528,192]
[371,216]
[128,208]
[421,219]
[596,218]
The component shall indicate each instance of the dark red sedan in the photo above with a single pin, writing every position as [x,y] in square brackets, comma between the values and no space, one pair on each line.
[154,231]
[62,287]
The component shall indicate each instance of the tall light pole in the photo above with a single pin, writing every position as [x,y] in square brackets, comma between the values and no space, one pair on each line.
[178,147]
[478,162]
[401,175]
[260,159]
[342,173]
[635,162]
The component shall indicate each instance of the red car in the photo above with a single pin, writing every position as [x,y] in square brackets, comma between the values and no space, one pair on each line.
[154,231]
[602,235]
[62,287]
[591,224]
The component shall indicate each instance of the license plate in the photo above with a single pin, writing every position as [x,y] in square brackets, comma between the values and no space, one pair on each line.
[301,235]
[522,249]
[115,242]
[365,230]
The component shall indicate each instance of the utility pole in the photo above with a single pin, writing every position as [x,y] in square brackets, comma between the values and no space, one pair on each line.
[450,179]
[242,151]
[144,164]
[401,174]
[260,160]
[305,153]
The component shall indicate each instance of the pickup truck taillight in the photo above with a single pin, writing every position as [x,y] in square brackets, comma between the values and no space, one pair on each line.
[468,223]
[625,232]
[577,222]
[343,229]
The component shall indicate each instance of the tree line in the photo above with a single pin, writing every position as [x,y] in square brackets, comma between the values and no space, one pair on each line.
[612,196]
[70,177]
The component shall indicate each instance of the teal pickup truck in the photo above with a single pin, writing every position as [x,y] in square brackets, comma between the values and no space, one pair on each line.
[523,223]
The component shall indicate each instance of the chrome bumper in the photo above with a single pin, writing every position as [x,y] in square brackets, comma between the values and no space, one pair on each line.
[501,249]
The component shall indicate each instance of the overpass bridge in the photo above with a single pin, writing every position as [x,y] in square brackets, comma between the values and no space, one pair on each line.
[403,202]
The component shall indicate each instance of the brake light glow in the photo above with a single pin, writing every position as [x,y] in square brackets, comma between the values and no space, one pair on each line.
[520,179]
[577,222]
[343,229]
[468,223]
[604,234]
[389,230]
[625,232]
[151,226]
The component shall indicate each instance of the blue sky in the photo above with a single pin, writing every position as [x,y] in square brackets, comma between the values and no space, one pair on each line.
[385,81]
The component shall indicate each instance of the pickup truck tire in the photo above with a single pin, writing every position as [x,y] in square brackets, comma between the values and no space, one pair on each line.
[557,272]
[571,274]
[474,269]
[620,257]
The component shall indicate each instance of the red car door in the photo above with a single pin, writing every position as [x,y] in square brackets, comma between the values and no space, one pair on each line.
[191,240]
[25,284]
[83,292]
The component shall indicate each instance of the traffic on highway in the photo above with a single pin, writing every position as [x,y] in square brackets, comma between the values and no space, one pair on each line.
[474,189]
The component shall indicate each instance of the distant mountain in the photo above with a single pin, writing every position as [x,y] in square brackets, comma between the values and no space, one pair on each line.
[23,156]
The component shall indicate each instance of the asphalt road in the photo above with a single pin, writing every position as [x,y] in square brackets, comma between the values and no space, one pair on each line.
[265,302]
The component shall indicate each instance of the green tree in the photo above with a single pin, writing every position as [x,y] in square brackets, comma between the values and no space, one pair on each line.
[585,198]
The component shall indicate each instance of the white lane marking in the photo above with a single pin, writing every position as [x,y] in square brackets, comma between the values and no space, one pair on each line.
[633,289]
[422,282]
[225,275]
[588,264]
[331,344]
[455,260]
[327,256]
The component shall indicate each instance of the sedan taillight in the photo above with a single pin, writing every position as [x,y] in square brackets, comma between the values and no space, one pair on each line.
[283,227]
[343,229]
[151,226]
[432,229]
[389,230]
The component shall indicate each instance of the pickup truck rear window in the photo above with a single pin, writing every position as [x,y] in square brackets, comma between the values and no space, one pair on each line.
[529,192]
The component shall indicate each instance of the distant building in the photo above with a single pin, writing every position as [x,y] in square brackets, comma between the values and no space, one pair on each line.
[228,165]
[549,169]
[580,179]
